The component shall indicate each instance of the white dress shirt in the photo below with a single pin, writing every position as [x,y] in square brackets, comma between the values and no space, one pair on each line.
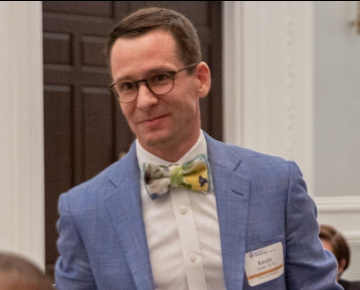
[182,231]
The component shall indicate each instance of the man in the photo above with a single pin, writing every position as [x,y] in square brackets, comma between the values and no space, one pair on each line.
[16,273]
[243,220]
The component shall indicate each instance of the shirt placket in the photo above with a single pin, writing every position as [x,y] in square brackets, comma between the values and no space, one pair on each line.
[189,239]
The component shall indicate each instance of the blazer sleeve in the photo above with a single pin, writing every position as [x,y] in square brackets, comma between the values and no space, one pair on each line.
[308,265]
[73,270]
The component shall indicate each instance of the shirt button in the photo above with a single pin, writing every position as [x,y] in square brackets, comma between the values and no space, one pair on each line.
[183,209]
[192,257]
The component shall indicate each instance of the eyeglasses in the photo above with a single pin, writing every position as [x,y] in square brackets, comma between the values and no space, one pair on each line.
[159,83]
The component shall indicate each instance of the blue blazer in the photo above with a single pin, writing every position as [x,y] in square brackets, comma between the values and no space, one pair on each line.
[261,200]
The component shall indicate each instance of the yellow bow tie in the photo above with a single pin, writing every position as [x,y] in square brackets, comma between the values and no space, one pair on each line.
[193,175]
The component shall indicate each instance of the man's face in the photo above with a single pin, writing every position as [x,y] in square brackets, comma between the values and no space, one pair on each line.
[166,121]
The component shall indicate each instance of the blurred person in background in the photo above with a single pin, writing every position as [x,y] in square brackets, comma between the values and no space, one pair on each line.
[335,242]
[17,273]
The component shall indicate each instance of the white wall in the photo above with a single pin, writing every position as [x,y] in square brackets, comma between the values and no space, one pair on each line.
[337,102]
[270,95]
[291,92]
[337,120]
[21,130]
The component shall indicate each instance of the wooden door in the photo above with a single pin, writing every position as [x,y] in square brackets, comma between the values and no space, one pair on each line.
[84,129]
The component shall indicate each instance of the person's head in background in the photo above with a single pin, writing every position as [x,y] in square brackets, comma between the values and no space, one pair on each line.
[17,273]
[335,242]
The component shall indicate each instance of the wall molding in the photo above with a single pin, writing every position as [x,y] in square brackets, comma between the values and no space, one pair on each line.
[338,204]
[342,212]
[232,72]
[353,238]
[290,80]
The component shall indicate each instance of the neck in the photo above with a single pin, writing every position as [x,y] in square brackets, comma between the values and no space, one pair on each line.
[173,152]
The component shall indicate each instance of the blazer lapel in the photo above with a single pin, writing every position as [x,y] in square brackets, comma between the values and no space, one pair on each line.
[232,192]
[125,208]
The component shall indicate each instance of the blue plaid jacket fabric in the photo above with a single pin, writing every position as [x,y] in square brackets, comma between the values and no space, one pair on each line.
[261,200]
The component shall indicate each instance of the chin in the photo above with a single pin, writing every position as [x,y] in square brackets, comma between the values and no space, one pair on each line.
[157,140]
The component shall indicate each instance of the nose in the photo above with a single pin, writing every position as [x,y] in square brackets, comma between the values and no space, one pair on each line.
[145,99]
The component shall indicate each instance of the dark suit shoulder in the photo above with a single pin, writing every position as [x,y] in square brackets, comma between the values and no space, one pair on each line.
[350,285]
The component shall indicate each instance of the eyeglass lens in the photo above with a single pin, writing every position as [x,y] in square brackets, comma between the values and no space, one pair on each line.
[159,84]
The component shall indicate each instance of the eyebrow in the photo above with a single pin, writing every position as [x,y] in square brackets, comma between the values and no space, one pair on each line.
[129,78]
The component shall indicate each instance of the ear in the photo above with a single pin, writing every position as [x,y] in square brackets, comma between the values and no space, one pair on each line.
[203,79]
[341,266]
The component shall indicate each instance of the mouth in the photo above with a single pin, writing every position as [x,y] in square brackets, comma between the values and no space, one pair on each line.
[153,121]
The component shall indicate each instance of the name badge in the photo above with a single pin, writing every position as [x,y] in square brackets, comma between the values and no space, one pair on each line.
[264,264]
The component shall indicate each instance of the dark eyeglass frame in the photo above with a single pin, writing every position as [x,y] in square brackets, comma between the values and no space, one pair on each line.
[172,73]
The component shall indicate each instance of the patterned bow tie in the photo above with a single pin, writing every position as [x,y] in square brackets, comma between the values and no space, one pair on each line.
[193,175]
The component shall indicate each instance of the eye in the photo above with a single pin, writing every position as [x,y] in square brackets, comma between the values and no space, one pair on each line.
[160,78]
[126,86]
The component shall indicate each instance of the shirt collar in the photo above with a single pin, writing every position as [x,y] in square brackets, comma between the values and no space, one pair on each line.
[200,147]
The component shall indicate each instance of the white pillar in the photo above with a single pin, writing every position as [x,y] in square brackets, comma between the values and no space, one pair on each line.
[21,130]
[232,72]
[268,79]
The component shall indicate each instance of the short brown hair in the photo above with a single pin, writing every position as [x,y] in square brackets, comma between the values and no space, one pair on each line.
[18,273]
[338,243]
[148,19]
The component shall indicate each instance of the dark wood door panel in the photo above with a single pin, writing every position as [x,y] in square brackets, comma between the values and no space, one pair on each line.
[76,8]
[198,12]
[84,128]
[58,159]
[99,136]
